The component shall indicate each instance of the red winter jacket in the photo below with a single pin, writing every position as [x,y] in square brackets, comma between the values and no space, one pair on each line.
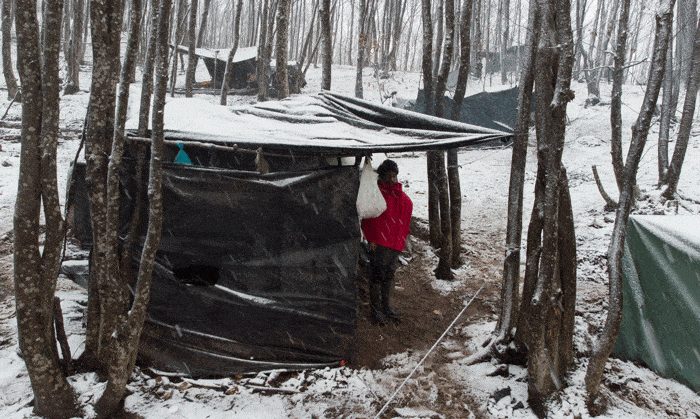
[391,228]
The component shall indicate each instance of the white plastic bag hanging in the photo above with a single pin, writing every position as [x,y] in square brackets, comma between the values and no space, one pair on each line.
[370,202]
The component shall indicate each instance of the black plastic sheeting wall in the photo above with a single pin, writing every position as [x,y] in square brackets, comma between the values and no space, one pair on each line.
[254,272]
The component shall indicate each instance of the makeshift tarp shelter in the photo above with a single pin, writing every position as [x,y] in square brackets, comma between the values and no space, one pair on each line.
[661,315]
[243,68]
[495,110]
[257,263]
[243,65]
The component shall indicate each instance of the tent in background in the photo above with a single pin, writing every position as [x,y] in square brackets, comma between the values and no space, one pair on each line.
[661,314]
[243,69]
[257,264]
[495,110]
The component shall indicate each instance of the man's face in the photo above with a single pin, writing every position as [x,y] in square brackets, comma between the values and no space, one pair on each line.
[390,178]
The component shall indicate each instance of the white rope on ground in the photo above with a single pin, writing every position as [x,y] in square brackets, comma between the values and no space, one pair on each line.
[429,351]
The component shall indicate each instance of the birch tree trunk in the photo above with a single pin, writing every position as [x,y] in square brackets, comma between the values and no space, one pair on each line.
[35,272]
[640,131]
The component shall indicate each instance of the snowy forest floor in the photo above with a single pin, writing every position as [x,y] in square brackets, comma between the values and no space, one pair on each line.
[443,387]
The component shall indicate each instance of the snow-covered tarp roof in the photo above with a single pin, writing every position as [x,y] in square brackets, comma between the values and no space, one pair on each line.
[242,54]
[323,124]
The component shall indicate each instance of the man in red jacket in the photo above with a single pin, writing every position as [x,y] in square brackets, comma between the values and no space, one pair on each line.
[386,235]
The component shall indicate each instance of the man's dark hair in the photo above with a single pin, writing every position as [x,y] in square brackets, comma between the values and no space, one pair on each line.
[386,167]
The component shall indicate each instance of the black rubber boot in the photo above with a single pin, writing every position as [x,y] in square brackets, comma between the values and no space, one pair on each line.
[387,287]
[375,300]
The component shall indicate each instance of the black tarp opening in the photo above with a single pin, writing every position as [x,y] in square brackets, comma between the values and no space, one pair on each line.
[253,271]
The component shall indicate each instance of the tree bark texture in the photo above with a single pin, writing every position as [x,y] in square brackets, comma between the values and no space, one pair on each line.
[640,131]
[465,53]
[455,192]
[106,18]
[361,37]
[191,45]
[128,332]
[665,120]
[326,44]
[75,47]
[547,362]
[616,96]
[147,83]
[177,39]
[505,39]
[7,69]
[448,47]
[263,60]
[511,264]
[281,54]
[439,176]
[444,268]
[36,272]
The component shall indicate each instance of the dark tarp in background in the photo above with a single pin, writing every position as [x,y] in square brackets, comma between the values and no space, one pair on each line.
[495,110]
[254,272]
[661,291]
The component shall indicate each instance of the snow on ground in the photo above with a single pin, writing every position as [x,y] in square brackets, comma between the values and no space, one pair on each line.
[632,391]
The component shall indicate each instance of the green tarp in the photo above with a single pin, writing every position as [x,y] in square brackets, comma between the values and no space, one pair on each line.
[661,310]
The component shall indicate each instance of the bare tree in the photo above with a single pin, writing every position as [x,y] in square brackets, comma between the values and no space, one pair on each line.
[263,54]
[673,172]
[232,53]
[616,96]
[429,92]
[179,24]
[511,264]
[361,39]
[9,73]
[438,173]
[665,119]
[326,44]
[281,54]
[640,131]
[74,47]
[505,39]
[36,271]
[191,45]
[106,18]
[452,156]
[550,281]
[147,81]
